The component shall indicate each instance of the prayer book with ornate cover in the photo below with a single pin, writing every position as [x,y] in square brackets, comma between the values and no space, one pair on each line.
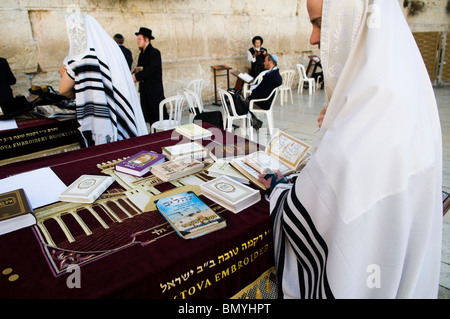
[171,170]
[140,163]
[15,211]
[86,189]
[230,194]
[189,215]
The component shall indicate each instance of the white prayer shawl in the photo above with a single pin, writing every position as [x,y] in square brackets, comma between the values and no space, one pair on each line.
[105,94]
[371,226]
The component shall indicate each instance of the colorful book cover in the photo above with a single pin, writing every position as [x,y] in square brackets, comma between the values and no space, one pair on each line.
[189,215]
[140,163]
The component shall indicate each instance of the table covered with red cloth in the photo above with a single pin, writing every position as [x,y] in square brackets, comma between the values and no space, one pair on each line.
[136,255]
[34,136]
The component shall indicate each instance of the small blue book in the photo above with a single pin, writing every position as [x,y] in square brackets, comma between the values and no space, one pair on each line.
[189,215]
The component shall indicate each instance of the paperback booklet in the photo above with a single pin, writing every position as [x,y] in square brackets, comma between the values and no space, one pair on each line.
[86,189]
[193,150]
[15,211]
[223,168]
[171,170]
[189,216]
[193,131]
[230,194]
[140,163]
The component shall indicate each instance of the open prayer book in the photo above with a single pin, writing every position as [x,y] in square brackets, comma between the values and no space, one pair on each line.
[284,153]
[246,77]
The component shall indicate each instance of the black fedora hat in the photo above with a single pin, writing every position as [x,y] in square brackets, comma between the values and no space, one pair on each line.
[146,32]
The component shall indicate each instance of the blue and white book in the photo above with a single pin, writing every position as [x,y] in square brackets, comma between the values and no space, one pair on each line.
[189,215]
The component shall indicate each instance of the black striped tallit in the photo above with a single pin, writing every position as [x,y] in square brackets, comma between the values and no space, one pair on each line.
[97,97]
[292,222]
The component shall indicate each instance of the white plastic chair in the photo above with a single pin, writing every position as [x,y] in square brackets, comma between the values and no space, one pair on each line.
[303,78]
[268,112]
[193,101]
[231,115]
[247,88]
[197,87]
[286,86]
[174,108]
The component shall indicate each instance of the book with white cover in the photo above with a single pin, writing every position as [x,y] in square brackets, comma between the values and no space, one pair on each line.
[193,131]
[230,194]
[193,150]
[86,189]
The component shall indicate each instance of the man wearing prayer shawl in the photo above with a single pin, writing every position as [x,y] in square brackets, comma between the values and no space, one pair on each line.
[364,217]
[96,72]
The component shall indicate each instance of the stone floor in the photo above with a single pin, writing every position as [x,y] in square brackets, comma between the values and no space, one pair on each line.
[300,120]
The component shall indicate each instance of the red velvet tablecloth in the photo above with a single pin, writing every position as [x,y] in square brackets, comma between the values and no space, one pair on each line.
[138,257]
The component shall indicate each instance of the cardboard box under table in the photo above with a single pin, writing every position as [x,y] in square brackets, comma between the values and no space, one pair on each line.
[120,252]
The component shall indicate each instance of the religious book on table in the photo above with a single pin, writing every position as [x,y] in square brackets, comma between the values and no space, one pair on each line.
[193,150]
[174,169]
[230,151]
[189,216]
[15,211]
[193,131]
[283,152]
[223,168]
[230,194]
[140,163]
[86,189]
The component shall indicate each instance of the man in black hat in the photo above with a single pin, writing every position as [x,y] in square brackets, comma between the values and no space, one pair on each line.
[149,75]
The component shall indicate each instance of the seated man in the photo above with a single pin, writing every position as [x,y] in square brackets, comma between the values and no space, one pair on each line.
[271,80]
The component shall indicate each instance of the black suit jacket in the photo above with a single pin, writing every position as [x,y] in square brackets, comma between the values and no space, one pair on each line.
[127,53]
[270,81]
[150,83]
[7,79]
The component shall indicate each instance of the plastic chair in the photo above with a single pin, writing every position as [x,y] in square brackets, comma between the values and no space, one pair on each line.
[174,107]
[197,87]
[303,78]
[193,101]
[268,112]
[231,115]
[288,79]
[247,88]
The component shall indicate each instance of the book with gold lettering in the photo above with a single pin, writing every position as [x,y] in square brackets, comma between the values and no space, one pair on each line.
[86,189]
[189,215]
[230,194]
[15,211]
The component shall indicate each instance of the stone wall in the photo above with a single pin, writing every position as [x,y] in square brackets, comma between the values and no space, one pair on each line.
[192,35]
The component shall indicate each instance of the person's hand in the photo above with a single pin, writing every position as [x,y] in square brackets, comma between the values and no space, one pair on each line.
[321,116]
[268,182]
[134,78]
[62,70]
